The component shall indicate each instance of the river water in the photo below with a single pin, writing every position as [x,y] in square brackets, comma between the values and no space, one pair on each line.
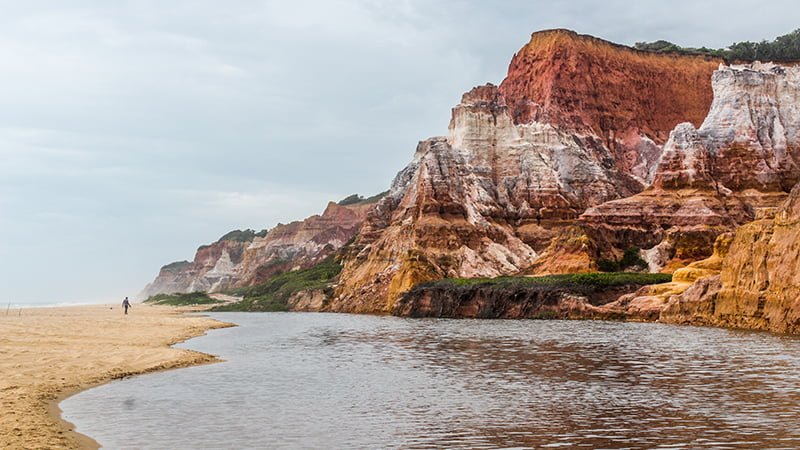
[329,381]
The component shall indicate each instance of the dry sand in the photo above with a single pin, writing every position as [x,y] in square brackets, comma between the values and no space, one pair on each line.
[47,354]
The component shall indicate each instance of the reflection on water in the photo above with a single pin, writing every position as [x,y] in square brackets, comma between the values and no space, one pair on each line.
[294,380]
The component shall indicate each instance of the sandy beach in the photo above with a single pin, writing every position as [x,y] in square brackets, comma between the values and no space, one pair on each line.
[47,354]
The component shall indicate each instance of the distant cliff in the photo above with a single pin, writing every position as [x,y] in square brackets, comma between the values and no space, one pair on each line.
[246,258]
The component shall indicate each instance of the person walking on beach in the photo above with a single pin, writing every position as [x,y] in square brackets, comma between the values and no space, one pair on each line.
[126,304]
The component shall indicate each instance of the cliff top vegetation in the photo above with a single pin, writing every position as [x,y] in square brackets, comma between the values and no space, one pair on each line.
[782,48]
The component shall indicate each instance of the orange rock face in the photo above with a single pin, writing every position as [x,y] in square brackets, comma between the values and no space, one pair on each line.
[759,286]
[648,303]
[587,84]
[596,87]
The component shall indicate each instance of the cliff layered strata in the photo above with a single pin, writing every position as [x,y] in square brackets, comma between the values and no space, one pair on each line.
[629,99]
[478,203]
[300,244]
[647,303]
[759,284]
[737,167]
[247,258]
[511,175]
[212,267]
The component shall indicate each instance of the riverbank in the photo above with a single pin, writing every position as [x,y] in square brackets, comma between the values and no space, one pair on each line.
[566,296]
[48,354]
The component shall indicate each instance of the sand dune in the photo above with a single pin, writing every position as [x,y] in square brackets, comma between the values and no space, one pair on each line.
[47,354]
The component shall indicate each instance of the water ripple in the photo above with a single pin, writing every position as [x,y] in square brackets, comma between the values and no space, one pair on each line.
[340,381]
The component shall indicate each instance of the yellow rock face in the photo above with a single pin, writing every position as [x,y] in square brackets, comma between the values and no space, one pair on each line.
[759,283]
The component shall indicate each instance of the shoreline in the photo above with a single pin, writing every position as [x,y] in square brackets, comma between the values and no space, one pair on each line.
[40,409]
[87,442]
[50,354]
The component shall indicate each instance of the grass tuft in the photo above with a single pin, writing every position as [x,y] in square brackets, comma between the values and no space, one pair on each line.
[192,298]
[591,279]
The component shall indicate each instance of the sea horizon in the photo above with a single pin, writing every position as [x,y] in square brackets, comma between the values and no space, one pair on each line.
[9,304]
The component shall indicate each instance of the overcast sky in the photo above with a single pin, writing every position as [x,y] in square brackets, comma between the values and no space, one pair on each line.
[133,131]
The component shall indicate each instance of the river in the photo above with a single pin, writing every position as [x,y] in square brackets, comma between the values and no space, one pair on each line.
[329,381]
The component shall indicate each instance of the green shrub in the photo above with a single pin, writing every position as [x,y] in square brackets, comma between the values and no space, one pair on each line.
[375,198]
[192,298]
[351,200]
[782,48]
[177,265]
[239,236]
[274,294]
[590,279]
[630,258]
[355,199]
[607,265]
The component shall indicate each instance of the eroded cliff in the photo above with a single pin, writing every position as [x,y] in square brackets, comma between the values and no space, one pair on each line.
[737,167]
[247,258]
[520,164]
[759,283]
[585,150]
[625,97]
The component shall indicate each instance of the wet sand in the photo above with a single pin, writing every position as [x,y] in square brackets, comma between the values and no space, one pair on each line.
[47,354]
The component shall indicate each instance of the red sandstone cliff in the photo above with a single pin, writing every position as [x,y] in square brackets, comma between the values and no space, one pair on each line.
[738,166]
[575,124]
[624,96]
[584,83]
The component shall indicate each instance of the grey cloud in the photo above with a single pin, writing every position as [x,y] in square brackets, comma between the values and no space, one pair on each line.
[133,131]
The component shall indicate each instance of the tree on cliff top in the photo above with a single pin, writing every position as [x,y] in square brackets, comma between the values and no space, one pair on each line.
[242,235]
[355,199]
[783,48]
